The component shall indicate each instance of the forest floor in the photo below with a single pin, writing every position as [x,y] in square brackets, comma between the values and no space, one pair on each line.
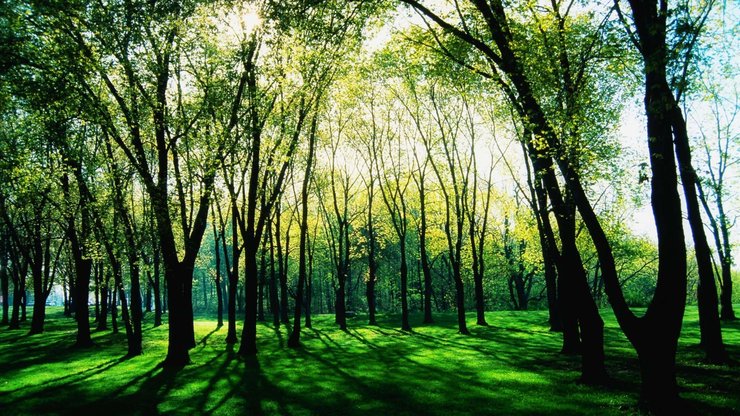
[510,367]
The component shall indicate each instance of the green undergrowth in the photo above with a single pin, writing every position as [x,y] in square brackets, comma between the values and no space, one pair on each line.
[511,366]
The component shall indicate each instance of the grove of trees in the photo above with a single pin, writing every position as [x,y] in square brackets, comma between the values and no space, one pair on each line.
[257,158]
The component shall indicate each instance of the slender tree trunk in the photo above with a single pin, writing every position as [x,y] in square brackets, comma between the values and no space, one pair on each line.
[20,268]
[39,299]
[548,247]
[4,278]
[262,277]
[103,320]
[233,276]
[282,273]
[114,309]
[273,289]
[219,294]
[159,306]
[96,280]
[15,313]
[424,256]
[404,287]
[309,285]
[711,331]
[148,294]
[480,303]
[295,337]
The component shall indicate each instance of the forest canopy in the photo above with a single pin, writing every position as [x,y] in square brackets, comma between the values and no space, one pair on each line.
[273,160]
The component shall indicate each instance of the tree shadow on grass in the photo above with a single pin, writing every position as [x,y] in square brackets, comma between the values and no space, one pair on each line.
[59,384]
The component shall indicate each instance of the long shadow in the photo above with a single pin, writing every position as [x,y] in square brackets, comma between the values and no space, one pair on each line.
[204,340]
[73,377]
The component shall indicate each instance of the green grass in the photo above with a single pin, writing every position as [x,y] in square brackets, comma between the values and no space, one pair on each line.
[510,367]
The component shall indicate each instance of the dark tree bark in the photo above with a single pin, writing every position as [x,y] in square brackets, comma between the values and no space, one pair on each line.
[103,278]
[252,224]
[219,294]
[19,272]
[709,324]
[273,285]
[282,272]
[309,284]
[114,309]
[159,303]
[262,279]
[477,233]
[4,277]
[132,255]
[721,232]
[426,267]
[548,247]
[518,89]
[295,337]
[372,265]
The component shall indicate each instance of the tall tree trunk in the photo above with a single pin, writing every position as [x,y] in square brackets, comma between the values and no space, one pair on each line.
[114,308]
[103,278]
[295,337]
[20,269]
[159,306]
[233,276]
[372,266]
[4,277]
[249,332]
[424,255]
[548,247]
[711,331]
[219,294]
[721,233]
[262,278]
[273,289]
[309,285]
[282,273]
[39,299]
[404,287]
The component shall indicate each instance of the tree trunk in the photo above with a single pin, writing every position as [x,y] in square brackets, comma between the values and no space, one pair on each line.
[404,287]
[39,298]
[219,294]
[114,309]
[233,276]
[282,273]
[295,337]
[159,306]
[15,313]
[248,345]
[180,339]
[309,286]
[4,278]
[103,320]
[462,326]
[273,289]
[424,256]
[727,313]
[711,331]
[262,277]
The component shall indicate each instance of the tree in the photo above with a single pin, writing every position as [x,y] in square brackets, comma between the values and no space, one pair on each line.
[718,143]
[393,184]
[504,65]
[294,340]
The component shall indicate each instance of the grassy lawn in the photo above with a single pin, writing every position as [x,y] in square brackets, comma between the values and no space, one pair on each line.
[510,367]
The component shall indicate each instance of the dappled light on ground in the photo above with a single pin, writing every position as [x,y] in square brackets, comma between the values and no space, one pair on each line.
[510,367]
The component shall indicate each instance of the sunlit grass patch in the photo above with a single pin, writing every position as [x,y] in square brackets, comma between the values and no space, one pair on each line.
[512,366]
